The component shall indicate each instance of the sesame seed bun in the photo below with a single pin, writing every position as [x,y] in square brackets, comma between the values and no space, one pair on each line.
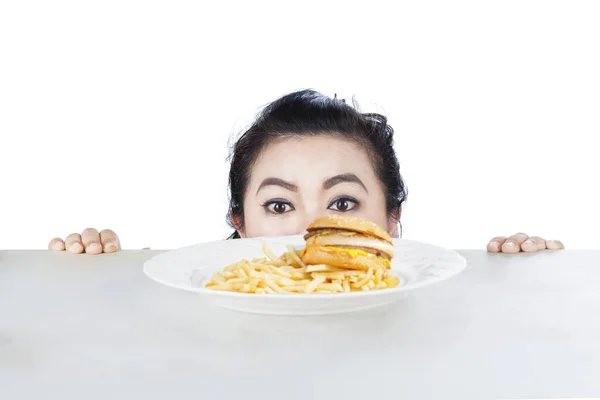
[348,223]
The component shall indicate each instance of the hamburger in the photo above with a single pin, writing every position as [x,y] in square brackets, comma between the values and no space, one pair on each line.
[347,242]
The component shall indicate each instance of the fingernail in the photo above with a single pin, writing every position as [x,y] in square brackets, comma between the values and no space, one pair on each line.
[495,245]
[56,246]
[94,248]
[77,247]
[110,248]
[554,244]
[528,242]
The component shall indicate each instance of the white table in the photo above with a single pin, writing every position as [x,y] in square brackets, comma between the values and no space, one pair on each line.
[88,327]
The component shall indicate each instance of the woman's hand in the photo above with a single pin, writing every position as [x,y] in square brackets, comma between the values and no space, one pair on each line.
[90,242]
[521,242]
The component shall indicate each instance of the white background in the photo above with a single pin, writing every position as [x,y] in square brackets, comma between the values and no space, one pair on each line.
[118,113]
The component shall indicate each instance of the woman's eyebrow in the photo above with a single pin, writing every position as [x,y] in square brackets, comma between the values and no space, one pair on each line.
[335,180]
[278,182]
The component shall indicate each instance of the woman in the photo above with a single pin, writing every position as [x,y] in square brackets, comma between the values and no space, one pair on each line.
[307,155]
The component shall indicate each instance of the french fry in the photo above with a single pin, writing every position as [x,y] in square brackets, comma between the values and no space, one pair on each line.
[329,275]
[378,276]
[280,272]
[346,285]
[334,287]
[295,256]
[223,287]
[283,281]
[274,259]
[295,288]
[238,280]
[364,280]
[324,268]
[312,286]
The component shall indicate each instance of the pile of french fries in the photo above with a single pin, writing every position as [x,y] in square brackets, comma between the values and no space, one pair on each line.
[288,274]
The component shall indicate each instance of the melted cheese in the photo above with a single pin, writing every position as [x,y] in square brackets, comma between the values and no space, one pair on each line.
[353,252]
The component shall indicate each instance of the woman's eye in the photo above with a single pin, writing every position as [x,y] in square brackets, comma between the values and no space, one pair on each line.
[343,205]
[279,207]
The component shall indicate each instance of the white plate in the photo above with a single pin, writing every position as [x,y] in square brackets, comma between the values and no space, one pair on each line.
[417,264]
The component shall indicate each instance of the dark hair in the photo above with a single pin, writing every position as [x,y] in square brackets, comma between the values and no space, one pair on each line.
[310,113]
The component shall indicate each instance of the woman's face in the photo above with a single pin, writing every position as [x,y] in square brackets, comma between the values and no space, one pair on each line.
[297,180]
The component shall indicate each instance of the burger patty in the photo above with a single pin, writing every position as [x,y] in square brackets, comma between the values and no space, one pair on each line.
[329,232]
[365,249]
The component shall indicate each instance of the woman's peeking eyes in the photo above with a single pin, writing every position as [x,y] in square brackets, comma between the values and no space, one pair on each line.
[281,206]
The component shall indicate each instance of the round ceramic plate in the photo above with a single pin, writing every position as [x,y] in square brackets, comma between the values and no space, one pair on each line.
[416,264]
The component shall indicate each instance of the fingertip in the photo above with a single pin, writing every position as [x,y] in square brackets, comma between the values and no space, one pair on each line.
[75,248]
[510,247]
[529,246]
[495,244]
[493,247]
[554,245]
[110,241]
[110,248]
[93,248]
[539,242]
[56,244]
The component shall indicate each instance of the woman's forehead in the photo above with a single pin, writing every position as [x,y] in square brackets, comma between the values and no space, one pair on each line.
[311,158]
